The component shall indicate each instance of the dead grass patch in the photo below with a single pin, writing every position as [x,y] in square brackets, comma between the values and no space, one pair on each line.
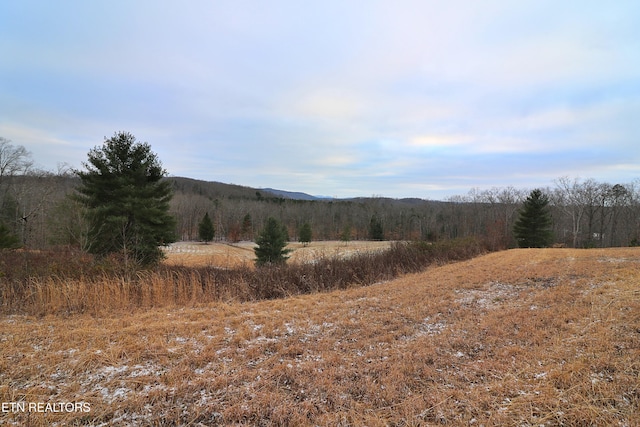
[227,255]
[106,288]
[520,337]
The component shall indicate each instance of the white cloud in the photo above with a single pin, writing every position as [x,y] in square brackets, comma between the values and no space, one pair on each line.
[388,96]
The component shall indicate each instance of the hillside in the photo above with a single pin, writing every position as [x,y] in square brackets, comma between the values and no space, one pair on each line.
[296,195]
[239,213]
[520,337]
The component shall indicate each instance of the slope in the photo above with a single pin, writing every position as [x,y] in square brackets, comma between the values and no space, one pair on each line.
[521,337]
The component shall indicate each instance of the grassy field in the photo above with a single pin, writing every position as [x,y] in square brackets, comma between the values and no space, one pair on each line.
[519,337]
[236,254]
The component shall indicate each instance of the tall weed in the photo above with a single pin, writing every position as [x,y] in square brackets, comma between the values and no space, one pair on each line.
[64,282]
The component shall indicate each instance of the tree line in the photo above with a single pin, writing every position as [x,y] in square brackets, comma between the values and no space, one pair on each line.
[40,209]
[584,213]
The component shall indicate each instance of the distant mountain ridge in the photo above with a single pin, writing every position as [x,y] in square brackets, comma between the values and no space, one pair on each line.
[215,189]
[295,195]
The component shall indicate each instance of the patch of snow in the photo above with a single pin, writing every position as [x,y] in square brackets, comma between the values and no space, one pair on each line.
[143,370]
[57,375]
[496,293]
[431,328]
[290,328]
[261,340]
[112,396]
[617,260]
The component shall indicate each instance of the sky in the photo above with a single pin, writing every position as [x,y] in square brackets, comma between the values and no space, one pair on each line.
[424,99]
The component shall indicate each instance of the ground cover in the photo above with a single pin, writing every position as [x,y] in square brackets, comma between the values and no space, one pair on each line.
[222,254]
[519,337]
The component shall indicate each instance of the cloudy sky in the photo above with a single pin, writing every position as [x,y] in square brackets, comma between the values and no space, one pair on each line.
[342,98]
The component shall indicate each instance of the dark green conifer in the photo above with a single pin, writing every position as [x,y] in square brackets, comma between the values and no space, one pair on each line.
[126,200]
[305,234]
[271,244]
[376,231]
[8,240]
[533,227]
[206,231]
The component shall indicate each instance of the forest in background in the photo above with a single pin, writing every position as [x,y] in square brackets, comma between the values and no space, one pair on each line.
[36,207]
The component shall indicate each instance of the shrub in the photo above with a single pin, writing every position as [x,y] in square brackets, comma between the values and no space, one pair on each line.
[66,281]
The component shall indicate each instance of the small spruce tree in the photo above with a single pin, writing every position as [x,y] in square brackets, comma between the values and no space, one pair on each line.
[8,240]
[533,227]
[376,232]
[247,227]
[285,233]
[345,236]
[305,234]
[205,229]
[271,244]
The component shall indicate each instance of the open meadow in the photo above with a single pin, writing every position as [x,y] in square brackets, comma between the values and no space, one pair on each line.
[221,254]
[518,337]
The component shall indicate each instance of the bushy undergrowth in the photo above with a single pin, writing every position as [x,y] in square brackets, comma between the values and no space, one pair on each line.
[66,282]
[23,265]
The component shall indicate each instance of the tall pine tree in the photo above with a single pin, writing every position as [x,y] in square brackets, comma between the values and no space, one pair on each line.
[533,227]
[127,201]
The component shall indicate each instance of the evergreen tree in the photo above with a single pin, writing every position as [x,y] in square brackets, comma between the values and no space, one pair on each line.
[533,227]
[305,233]
[376,232]
[285,233]
[271,244]
[345,236]
[126,200]
[8,240]
[247,227]
[205,229]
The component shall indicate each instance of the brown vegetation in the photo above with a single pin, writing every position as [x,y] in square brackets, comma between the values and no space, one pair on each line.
[222,254]
[519,337]
[42,283]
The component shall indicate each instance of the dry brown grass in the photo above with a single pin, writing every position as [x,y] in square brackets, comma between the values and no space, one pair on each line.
[54,283]
[241,254]
[520,337]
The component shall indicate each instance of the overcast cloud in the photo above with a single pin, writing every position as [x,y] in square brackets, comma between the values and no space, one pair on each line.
[347,98]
